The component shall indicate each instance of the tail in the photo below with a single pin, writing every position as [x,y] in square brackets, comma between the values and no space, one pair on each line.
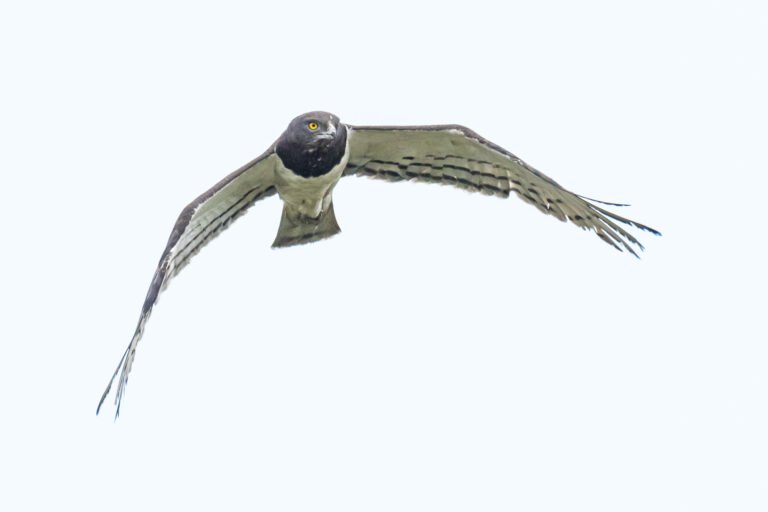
[296,229]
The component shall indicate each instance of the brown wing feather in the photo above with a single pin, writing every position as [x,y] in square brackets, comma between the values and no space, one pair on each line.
[200,222]
[455,155]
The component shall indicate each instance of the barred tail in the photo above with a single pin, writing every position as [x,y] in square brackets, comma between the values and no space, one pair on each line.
[296,229]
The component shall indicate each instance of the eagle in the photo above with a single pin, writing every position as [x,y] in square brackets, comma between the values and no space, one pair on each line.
[316,150]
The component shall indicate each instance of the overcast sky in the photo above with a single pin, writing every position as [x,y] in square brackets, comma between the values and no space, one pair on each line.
[446,351]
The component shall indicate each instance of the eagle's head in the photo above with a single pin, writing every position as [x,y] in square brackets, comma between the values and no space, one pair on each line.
[312,144]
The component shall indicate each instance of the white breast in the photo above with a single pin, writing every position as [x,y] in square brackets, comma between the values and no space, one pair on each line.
[309,196]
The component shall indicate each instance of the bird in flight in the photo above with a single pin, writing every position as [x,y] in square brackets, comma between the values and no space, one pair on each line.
[316,150]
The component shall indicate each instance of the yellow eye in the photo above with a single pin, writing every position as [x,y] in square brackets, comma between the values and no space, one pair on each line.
[312,125]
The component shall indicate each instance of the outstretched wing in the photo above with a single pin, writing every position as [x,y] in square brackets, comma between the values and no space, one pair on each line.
[455,155]
[200,222]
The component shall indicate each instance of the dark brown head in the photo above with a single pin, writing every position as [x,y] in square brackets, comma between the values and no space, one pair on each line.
[312,144]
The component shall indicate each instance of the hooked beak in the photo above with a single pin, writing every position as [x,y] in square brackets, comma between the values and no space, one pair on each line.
[330,133]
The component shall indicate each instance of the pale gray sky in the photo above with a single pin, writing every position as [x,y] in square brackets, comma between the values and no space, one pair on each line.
[447,351]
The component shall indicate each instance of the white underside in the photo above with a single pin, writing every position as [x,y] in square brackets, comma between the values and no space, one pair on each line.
[309,196]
